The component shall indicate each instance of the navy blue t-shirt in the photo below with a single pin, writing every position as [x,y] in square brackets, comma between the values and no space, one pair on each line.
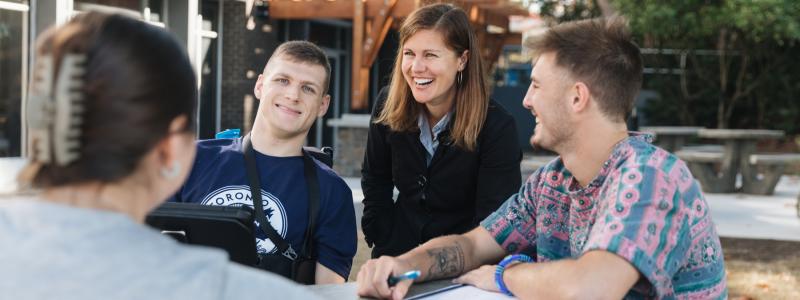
[219,178]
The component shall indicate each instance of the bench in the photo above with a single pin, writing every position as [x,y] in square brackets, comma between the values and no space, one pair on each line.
[530,164]
[704,148]
[702,162]
[672,138]
[762,172]
[700,156]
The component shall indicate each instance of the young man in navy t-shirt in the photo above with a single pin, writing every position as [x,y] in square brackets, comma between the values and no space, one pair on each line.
[292,92]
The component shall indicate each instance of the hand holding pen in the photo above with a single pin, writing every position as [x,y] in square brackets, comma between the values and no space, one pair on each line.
[410,275]
[386,277]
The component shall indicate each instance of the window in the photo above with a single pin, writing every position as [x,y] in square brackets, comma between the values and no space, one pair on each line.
[13,71]
[207,60]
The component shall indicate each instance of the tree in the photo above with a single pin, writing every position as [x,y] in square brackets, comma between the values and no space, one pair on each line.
[734,56]
[752,40]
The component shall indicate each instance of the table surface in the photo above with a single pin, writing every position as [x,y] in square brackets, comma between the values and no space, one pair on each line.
[336,291]
[348,291]
[741,134]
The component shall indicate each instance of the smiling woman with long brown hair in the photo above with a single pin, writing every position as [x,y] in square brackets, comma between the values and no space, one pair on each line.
[435,135]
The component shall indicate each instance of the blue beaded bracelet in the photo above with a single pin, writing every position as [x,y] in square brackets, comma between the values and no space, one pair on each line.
[501,267]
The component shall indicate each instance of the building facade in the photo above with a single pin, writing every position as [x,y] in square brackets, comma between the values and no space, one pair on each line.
[228,41]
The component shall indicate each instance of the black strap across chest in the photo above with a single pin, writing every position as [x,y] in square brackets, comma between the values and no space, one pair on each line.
[310,172]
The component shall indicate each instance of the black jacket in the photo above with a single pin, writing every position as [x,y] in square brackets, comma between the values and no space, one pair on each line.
[457,191]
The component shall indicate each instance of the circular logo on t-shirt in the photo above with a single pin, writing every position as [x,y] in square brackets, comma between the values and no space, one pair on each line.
[238,195]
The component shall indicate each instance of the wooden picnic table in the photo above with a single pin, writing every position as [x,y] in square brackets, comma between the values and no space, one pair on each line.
[672,138]
[738,145]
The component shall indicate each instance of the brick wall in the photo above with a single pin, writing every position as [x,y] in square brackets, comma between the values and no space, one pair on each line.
[351,142]
[244,53]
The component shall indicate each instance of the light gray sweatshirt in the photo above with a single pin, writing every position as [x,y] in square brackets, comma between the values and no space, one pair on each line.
[53,251]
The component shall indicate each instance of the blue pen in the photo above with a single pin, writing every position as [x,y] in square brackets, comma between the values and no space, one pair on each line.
[393,280]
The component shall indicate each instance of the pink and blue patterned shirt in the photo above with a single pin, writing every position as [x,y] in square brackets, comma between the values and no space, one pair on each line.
[643,206]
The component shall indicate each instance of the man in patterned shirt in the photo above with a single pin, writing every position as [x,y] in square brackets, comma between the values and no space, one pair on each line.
[613,217]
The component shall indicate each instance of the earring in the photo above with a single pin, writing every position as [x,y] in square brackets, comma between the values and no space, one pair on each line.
[172,172]
[460,78]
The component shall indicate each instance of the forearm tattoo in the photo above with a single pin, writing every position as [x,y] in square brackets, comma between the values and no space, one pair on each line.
[447,262]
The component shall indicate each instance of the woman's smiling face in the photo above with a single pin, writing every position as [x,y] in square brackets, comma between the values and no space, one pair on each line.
[430,67]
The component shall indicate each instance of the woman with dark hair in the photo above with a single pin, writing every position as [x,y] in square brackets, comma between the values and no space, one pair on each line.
[111,126]
[435,135]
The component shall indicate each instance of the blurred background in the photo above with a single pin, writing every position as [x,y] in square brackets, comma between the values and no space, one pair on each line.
[712,64]
[709,64]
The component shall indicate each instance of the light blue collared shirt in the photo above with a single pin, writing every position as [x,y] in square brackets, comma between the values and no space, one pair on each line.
[431,142]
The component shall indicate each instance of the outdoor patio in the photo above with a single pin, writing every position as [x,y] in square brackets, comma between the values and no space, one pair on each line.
[760,217]
[760,238]
[736,215]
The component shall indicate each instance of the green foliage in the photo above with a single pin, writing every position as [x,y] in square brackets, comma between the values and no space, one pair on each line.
[731,63]
[686,22]
[747,80]
[556,11]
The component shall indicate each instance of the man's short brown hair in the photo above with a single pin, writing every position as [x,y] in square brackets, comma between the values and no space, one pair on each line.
[600,53]
[307,53]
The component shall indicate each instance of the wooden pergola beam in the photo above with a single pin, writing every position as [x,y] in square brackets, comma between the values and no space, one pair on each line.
[368,48]
[337,9]
[358,97]
[513,39]
[494,46]
[498,20]
[372,20]
[377,33]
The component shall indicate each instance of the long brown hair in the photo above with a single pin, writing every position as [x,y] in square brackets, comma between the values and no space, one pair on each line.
[472,96]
